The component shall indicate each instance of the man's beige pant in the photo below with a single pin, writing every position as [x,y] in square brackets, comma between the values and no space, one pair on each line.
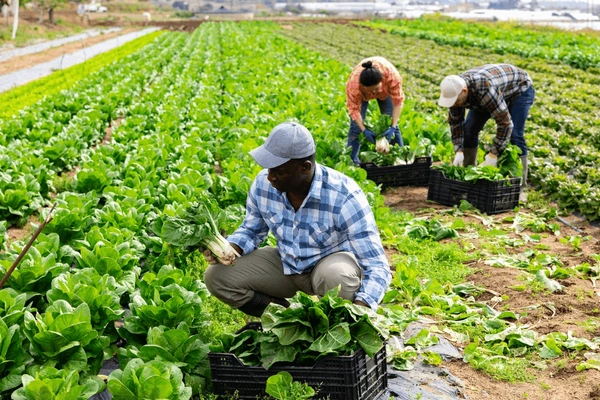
[262,271]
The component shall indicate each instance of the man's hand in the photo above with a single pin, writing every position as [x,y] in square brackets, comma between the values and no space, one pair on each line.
[459,159]
[234,252]
[361,303]
[370,135]
[490,159]
[391,132]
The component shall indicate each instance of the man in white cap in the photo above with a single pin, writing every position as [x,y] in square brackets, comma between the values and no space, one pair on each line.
[325,230]
[500,91]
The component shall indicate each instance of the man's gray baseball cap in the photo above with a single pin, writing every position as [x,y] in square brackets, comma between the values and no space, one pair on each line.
[287,141]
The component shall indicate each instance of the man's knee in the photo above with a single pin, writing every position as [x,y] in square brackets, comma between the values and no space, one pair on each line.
[343,272]
[214,280]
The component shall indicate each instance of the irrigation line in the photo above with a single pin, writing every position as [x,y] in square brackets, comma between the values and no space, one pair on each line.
[567,223]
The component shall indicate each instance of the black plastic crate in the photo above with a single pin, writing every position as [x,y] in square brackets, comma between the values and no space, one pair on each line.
[356,377]
[415,174]
[490,197]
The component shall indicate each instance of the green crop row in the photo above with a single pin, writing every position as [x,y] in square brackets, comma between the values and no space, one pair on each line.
[31,92]
[578,50]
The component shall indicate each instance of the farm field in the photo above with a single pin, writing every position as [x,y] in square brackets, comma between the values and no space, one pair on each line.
[152,128]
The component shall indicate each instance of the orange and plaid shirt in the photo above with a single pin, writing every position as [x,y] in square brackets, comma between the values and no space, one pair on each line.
[391,85]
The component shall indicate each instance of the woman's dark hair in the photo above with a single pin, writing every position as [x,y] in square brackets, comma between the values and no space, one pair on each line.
[370,76]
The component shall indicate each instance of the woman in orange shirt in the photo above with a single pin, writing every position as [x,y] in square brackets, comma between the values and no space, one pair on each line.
[373,78]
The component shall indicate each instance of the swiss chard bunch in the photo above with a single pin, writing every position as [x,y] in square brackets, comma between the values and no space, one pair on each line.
[400,155]
[380,124]
[307,330]
[509,166]
[509,162]
[200,227]
[469,173]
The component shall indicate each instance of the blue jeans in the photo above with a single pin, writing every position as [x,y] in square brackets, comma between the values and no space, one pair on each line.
[385,107]
[518,110]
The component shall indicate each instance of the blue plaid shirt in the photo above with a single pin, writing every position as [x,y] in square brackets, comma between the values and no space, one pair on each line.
[334,217]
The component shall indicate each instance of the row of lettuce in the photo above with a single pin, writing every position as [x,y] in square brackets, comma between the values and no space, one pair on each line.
[184,138]
[564,140]
[578,50]
[26,95]
[55,134]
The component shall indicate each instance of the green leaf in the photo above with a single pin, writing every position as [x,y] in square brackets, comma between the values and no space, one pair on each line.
[550,349]
[367,337]
[336,338]
[550,284]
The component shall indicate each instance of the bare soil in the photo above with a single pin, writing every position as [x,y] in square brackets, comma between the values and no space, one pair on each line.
[544,312]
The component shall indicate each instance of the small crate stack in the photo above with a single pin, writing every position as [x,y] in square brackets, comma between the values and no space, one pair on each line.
[415,174]
[355,377]
[490,197]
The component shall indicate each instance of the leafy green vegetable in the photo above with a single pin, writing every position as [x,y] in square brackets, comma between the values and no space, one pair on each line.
[176,346]
[198,228]
[307,330]
[151,380]
[282,387]
[13,356]
[64,335]
[51,383]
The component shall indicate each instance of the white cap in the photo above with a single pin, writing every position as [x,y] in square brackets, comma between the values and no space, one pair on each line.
[451,87]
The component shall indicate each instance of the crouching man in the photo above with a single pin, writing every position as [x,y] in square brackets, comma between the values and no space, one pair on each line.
[325,230]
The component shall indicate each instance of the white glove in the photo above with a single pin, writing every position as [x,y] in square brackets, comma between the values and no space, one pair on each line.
[490,159]
[459,158]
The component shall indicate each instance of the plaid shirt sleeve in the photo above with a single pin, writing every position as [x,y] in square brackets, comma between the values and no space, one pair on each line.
[353,94]
[358,221]
[253,231]
[456,118]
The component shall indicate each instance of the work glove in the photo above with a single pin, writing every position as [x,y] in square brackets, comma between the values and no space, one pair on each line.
[459,158]
[490,159]
[391,132]
[370,135]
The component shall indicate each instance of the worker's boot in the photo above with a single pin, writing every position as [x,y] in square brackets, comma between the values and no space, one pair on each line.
[259,302]
[470,156]
[523,192]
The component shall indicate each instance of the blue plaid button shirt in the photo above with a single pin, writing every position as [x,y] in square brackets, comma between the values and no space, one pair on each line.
[334,217]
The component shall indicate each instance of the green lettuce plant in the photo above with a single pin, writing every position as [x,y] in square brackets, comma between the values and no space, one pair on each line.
[63,336]
[177,346]
[282,387]
[56,384]
[13,357]
[148,381]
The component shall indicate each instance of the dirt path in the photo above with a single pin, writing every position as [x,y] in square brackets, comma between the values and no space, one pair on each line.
[29,60]
[576,309]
